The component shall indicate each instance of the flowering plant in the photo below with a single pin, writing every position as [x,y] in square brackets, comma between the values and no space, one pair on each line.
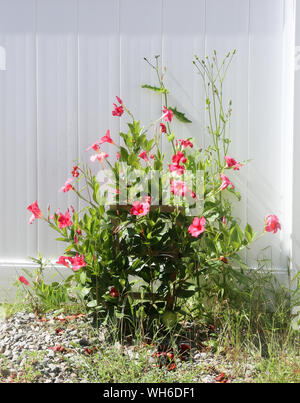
[150,228]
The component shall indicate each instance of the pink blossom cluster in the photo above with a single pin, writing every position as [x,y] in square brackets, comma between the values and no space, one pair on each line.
[76,262]
[142,208]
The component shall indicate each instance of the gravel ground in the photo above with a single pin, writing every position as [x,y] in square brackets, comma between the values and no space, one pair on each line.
[54,349]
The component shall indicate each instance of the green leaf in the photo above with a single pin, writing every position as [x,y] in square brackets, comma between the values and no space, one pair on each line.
[83,277]
[85,291]
[180,116]
[249,233]
[92,303]
[124,154]
[171,137]
[156,89]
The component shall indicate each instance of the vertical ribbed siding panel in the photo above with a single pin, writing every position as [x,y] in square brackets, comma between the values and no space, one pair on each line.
[184,37]
[99,72]
[140,36]
[17,130]
[265,117]
[57,109]
[227,28]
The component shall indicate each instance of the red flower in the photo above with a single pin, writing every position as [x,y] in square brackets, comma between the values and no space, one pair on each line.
[113,292]
[106,138]
[179,169]
[118,110]
[172,367]
[64,220]
[147,200]
[179,157]
[67,186]
[186,143]
[168,114]
[23,280]
[139,209]
[179,188]
[197,227]
[163,128]
[100,156]
[231,162]
[272,223]
[75,172]
[144,155]
[35,210]
[63,261]
[225,182]
[77,262]
[94,146]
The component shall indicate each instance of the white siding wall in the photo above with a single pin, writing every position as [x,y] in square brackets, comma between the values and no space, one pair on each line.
[67,59]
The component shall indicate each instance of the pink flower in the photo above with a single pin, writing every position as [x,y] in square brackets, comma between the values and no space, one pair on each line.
[64,220]
[98,157]
[147,200]
[113,292]
[139,209]
[118,110]
[163,128]
[225,182]
[106,138]
[75,238]
[77,262]
[179,169]
[57,213]
[75,172]
[186,143]
[94,146]
[179,188]
[168,114]
[118,155]
[197,227]
[224,220]
[152,156]
[272,223]
[179,157]
[63,261]
[67,186]
[23,280]
[144,155]
[231,162]
[35,210]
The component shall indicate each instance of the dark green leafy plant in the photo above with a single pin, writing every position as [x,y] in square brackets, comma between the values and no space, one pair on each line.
[141,254]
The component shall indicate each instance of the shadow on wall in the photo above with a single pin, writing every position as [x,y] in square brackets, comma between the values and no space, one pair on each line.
[2,58]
